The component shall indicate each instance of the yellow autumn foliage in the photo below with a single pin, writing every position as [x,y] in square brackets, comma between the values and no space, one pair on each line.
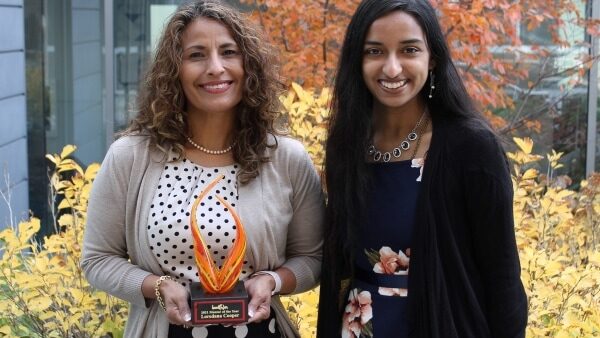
[307,112]
[43,292]
[558,235]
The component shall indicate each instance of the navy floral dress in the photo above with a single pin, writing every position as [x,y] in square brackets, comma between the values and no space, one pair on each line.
[377,300]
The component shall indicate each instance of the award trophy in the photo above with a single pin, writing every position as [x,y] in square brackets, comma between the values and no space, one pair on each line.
[219,297]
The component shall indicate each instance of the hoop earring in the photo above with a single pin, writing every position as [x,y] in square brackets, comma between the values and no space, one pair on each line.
[431,83]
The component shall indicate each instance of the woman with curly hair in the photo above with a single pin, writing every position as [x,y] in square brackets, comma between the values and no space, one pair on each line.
[205,127]
[419,212]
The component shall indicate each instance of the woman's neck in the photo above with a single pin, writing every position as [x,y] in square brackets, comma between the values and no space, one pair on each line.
[391,125]
[212,131]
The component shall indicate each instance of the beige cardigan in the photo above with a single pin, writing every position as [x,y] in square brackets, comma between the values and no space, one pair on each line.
[282,211]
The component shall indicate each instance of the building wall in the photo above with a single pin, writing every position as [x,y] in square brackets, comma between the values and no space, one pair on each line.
[88,133]
[13,128]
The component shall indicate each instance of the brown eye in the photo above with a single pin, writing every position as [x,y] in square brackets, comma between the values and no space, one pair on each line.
[230,52]
[373,51]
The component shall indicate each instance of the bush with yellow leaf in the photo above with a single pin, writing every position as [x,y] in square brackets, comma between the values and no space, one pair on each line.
[306,112]
[43,292]
[558,235]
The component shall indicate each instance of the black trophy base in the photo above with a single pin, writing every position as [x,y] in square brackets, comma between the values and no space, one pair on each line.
[219,308]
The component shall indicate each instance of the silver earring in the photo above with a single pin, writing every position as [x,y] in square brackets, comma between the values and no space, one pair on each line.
[431,83]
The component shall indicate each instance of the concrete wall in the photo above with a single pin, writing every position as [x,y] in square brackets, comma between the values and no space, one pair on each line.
[13,128]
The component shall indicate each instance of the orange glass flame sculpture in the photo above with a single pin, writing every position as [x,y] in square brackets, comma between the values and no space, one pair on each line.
[213,279]
[219,297]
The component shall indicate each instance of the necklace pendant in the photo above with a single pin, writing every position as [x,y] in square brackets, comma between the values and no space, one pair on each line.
[377,156]
[405,145]
[371,150]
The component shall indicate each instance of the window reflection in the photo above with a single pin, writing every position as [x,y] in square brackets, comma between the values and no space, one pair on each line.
[550,105]
[136,22]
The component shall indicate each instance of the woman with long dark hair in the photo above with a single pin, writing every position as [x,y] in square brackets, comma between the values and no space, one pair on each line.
[419,228]
[202,150]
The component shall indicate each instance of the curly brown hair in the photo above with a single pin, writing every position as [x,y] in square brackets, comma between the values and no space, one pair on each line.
[161,103]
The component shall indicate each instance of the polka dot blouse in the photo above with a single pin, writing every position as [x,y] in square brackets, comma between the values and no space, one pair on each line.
[169,232]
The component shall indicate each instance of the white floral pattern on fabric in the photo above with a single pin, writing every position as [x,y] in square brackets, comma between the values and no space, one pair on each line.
[391,262]
[388,262]
[418,163]
[397,292]
[357,315]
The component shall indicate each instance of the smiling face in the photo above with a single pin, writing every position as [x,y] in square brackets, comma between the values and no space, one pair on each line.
[396,61]
[212,70]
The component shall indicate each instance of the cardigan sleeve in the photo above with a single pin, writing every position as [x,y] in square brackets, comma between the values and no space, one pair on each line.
[105,260]
[305,231]
[489,203]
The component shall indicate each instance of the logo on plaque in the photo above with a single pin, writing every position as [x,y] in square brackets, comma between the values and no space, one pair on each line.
[219,297]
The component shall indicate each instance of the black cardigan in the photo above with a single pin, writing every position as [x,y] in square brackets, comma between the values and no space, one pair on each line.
[464,270]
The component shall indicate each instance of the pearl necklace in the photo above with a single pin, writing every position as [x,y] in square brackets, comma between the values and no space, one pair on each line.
[208,151]
[404,145]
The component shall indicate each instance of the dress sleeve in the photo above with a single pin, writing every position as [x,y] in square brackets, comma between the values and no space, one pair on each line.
[105,260]
[489,204]
[305,231]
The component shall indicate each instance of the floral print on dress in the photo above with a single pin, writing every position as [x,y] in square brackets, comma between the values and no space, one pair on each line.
[386,261]
[418,163]
[357,315]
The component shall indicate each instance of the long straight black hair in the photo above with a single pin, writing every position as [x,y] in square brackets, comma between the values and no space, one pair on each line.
[347,177]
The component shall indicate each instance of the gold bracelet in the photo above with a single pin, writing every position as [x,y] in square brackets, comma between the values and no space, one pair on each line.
[159,298]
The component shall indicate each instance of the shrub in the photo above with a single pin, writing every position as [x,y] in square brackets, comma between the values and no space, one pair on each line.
[558,237]
[307,112]
[43,291]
